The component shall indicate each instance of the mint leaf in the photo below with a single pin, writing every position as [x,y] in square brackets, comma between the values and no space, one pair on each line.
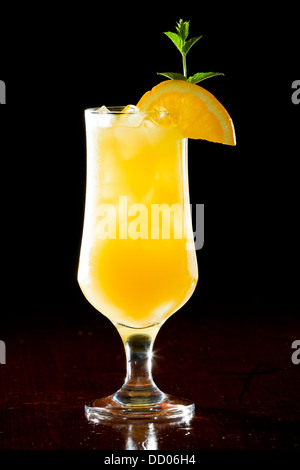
[182,29]
[172,76]
[198,77]
[184,45]
[188,44]
[176,39]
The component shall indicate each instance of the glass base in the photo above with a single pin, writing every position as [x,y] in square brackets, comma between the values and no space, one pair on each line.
[109,408]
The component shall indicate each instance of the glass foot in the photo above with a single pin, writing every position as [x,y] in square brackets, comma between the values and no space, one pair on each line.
[109,408]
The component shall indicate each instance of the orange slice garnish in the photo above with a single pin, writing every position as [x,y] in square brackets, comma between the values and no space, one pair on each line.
[194,110]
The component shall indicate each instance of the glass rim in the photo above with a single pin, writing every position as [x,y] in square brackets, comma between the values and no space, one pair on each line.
[113,110]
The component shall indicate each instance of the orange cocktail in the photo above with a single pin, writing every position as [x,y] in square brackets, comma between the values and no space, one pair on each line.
[137,262]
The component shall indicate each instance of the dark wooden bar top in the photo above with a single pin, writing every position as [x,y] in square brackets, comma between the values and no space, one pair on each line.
[234,361]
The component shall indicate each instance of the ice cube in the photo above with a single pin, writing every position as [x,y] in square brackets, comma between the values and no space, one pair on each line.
[130,108]
[130,117]
[102,110]
[161,116]
[101,117]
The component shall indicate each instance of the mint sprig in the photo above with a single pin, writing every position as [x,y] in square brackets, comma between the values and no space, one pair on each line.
[184,45]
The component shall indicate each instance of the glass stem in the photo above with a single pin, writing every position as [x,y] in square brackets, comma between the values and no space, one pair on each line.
[139,388]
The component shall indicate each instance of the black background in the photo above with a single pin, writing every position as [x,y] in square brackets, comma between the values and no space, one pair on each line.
[58,61]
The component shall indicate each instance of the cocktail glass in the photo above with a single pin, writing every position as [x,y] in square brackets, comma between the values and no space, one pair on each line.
[137,259]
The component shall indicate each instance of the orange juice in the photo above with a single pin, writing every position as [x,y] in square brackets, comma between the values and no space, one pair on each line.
[137,261]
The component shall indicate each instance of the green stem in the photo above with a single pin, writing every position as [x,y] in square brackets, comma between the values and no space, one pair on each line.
[184,65]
